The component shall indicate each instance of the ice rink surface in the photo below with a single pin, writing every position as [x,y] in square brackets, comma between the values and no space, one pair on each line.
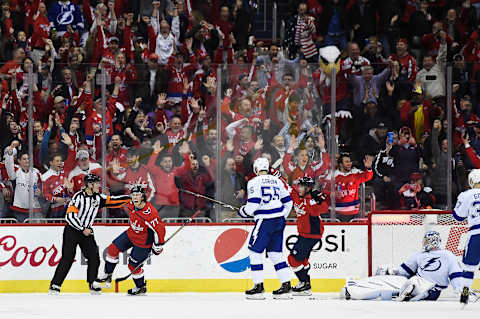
[220,306]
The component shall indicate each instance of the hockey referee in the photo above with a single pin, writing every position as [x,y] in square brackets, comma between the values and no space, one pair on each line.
[81,213]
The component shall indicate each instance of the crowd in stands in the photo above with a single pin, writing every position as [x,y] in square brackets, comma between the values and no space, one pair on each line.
[193,98]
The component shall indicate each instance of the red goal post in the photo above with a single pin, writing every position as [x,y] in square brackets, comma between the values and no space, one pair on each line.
[395,235]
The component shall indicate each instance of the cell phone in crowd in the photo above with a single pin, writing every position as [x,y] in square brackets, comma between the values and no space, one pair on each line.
[390,137]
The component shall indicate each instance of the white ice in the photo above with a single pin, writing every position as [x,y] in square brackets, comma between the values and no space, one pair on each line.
[220,306]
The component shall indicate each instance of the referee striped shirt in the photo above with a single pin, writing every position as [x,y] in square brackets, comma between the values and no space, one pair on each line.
[83,208]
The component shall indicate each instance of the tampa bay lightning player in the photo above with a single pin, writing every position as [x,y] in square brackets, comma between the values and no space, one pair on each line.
[269,203]
[422,277]
[468,207]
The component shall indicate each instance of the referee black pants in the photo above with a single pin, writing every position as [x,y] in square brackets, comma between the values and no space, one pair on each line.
[89,248]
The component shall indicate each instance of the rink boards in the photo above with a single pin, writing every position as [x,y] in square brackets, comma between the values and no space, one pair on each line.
[201,258]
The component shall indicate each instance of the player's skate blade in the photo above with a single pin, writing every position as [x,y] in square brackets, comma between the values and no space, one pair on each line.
[464,296]
[95,288]
[106,279]
[136,291]
[302,289]
[406,294]
[256,293]
[54,290]
[284,292]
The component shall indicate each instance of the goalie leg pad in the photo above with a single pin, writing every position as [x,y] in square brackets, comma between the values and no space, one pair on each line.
[421,290]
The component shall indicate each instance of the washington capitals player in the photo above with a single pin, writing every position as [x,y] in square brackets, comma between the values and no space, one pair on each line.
[146,232]
[308,205]
[269,203]
[422,277]
[468,207]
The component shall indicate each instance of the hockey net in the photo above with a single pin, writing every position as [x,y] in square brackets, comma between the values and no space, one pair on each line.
[394,236]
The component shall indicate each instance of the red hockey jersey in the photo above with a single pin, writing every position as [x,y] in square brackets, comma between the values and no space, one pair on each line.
[144,225]
[53,186]
[346,190]
[309,222]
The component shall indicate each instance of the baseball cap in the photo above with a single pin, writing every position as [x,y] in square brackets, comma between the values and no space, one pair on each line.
[58,99]
[82,154]
[111,39]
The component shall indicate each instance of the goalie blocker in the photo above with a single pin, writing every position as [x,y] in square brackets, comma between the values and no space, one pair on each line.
[422,277]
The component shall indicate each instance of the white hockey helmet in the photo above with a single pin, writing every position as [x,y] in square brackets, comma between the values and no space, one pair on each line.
[431,240]
[260,164]
[474,177]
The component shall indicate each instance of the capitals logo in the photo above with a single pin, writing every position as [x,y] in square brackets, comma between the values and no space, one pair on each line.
[227,247]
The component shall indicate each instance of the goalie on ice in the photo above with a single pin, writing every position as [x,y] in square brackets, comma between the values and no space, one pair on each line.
[422,277]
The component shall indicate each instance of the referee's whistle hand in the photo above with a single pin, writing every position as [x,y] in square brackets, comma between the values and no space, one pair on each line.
[87,231]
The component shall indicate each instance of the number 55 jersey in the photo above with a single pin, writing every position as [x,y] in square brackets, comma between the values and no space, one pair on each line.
[267,198]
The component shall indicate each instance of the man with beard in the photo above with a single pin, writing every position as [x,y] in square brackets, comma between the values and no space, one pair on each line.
[347,182]
[276,148]
[374,140]
[208,145]
[197,180]
[233,187]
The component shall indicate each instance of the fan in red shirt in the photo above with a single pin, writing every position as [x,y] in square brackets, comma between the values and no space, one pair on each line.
[347,182]
[406,60]
[146,233]
[308,205]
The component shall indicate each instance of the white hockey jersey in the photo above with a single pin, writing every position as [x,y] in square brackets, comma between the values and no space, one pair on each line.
[164,48]
[267,198]
[468,206]
[437,266]
[22,185]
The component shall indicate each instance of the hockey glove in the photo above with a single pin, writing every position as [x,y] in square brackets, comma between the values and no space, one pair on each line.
[157,248]
[383,270]
[242,213]
[318,196]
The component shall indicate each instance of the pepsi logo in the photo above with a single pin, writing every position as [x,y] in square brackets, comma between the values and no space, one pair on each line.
[227,248]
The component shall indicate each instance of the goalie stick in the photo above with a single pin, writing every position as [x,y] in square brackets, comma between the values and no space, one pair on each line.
[210,199]
[120,279]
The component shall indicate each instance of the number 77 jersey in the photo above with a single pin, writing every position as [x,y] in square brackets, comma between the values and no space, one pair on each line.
[267,198]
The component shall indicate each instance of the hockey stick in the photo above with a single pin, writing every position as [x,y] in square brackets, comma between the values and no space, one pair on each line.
[188,221]
[210,199]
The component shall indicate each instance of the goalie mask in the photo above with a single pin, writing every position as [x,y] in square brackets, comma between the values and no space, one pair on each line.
[431,241]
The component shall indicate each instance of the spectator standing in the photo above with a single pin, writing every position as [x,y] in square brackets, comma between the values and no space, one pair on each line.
[166,199]
[56,188]
[440,162]
[432,76]
[347,182]
[198,180]
[23,186]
